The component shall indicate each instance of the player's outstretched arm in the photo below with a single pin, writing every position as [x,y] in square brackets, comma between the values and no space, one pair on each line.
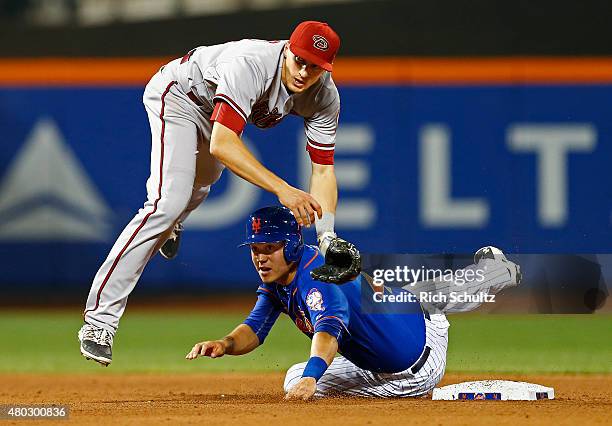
[342,259]
[322,351]
[324,187]
[227,147]
[325,346]
[240,341]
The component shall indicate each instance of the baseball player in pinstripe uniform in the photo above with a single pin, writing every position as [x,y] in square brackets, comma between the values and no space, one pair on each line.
[198,106]
[393,351]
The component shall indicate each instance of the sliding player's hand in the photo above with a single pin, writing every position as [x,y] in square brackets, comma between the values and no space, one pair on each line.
[213,349]
[304,389]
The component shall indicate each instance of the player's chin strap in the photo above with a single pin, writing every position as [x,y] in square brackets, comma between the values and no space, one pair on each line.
[342,259]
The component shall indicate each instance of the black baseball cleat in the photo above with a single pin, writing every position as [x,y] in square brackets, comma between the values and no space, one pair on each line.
[170,248]
[96,344]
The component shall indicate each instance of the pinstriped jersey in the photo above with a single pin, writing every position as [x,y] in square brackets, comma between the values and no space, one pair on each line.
[246,75]
[382,340]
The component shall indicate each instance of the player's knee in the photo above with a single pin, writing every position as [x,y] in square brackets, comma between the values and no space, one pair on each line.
[171,206]
[198,196]
[293,375]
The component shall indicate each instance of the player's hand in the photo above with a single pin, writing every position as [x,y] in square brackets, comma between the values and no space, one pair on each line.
[342,262]
[302,205]
[213,349]
[304,389]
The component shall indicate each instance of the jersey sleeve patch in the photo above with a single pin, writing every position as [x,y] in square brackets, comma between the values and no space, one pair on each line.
[227,115]
[314,300]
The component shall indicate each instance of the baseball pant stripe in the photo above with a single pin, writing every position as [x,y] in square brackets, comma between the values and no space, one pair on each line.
[159,195]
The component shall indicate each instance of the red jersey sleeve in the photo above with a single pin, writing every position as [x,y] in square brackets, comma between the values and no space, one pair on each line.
[228,116]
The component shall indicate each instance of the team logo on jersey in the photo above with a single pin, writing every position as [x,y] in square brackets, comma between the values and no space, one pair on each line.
[256,225]
[303,323]
[314,300]
[262,117]
[320,42]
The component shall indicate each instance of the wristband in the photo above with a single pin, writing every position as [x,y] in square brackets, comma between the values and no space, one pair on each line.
[315,368]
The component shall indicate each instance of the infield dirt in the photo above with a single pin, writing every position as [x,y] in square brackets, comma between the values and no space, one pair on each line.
[256,399]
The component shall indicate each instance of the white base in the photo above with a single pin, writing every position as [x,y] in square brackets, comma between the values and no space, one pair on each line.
[500,390]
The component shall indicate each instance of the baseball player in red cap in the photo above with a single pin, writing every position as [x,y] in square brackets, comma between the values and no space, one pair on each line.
[198,106]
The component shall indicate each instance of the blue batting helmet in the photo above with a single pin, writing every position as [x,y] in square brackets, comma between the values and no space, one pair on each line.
[274,224]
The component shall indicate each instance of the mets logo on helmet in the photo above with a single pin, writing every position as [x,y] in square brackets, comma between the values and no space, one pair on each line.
[256,225]
[314,300]
[320,42]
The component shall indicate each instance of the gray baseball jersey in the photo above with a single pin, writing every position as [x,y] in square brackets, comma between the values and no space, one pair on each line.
[246,76]
[232,83]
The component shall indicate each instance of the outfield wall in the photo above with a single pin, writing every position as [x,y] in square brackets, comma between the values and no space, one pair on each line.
[438,155]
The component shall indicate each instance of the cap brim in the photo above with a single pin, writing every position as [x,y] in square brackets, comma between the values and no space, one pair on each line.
[302,53]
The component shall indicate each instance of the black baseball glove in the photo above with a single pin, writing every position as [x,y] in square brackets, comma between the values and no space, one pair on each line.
[342,263]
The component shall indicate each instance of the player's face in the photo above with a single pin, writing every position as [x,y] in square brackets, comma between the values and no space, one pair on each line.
[299,74]
[270,263]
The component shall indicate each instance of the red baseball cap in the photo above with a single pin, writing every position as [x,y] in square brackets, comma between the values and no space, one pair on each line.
[316,42]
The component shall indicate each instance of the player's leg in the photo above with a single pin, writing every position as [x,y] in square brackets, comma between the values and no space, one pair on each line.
[169,243]
[208,171]
[490,274]
[169,188]
[343,377]
[415,381]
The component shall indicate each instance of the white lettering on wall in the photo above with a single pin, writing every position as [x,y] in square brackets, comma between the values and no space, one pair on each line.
[437,207]
[351,174]
[552,144]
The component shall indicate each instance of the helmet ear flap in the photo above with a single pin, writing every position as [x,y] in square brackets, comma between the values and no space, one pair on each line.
[294,248]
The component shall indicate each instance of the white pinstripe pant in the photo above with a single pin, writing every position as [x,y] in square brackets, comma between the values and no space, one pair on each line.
[497,277]
[344,377]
